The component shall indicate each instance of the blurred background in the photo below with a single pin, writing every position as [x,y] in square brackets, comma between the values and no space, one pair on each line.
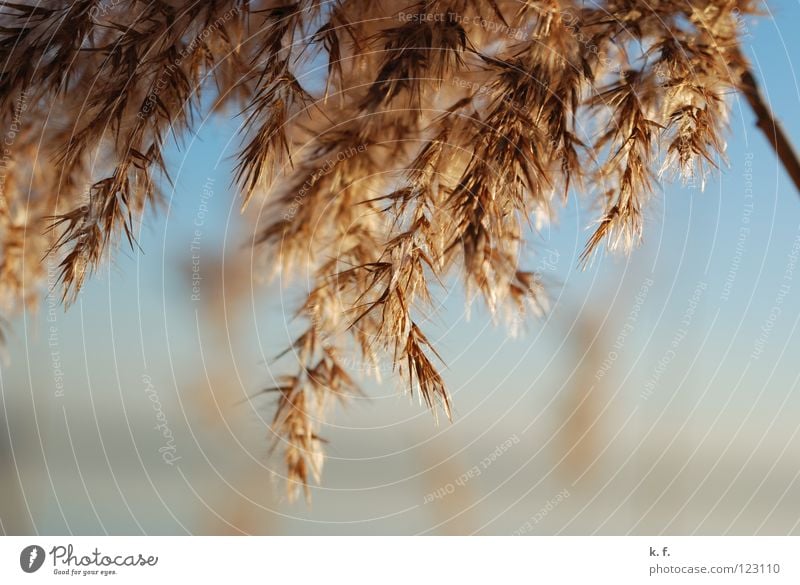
[658,394]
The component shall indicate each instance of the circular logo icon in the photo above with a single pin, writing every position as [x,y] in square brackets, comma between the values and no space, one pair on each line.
[31,558]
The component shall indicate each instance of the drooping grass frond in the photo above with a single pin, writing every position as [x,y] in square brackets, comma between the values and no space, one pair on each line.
[393,145]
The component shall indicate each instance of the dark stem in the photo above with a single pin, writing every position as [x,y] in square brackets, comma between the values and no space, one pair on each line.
[771,127]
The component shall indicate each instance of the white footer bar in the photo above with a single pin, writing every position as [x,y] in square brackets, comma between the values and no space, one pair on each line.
[402,560]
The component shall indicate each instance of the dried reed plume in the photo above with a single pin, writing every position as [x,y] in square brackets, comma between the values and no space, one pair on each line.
[435,137]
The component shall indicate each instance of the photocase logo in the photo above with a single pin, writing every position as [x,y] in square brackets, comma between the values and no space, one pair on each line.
[31,558]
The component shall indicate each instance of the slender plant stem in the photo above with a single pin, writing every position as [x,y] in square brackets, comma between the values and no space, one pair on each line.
[771,127]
